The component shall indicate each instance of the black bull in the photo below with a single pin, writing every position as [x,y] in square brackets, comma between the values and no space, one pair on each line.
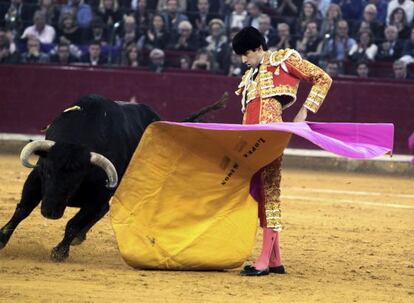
[86,148]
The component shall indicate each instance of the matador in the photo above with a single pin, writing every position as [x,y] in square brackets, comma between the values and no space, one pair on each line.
[267,88]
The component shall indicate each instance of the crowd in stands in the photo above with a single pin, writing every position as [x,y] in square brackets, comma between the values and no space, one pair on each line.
[341,36]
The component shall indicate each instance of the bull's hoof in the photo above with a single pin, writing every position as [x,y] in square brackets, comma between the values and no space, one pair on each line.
[78,240]
[2,245]
[59,254]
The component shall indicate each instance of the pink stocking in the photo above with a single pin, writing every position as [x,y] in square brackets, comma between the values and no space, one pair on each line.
[275,257]
[269,237]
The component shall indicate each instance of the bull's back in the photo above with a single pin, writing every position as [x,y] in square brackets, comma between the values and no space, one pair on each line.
[104,126]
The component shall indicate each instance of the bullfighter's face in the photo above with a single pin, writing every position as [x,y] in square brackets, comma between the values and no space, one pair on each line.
[252,58]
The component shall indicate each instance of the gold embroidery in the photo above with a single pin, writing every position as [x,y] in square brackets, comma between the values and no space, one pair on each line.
[278,91]
[270,111]
[313,74]
[268,89]
[251,91]
[279,56]
[271,178]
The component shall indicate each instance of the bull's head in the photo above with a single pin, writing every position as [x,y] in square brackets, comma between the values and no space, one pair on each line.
[62,168]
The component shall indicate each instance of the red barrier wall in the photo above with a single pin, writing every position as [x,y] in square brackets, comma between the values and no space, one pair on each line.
[30,96]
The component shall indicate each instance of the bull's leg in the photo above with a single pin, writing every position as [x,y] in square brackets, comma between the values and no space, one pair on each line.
[82,234]
[31,196]
[82,220]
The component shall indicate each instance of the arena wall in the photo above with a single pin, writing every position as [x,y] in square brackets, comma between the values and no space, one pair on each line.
[30,96]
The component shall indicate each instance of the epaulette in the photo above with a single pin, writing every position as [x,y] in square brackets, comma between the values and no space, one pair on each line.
[280,56]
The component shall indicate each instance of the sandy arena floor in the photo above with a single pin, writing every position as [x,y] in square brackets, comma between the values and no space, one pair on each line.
[350,240]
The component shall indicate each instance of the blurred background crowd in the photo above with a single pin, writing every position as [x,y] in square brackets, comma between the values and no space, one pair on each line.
[362,38]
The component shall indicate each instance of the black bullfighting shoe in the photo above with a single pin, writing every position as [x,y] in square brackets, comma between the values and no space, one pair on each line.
[252,271]
[275,270]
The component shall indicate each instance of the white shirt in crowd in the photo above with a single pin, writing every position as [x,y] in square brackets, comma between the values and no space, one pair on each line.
[46,36]
[237,20]
[370,52]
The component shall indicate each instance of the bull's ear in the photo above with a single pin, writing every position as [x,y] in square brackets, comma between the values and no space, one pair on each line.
[41,153]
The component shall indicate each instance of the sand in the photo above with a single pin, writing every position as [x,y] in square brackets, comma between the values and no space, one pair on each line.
[347,238]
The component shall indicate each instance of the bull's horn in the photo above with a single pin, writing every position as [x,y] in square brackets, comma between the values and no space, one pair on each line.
[30,148]
[108,167]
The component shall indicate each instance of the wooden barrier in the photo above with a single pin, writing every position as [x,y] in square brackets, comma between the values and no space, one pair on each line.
[31,96]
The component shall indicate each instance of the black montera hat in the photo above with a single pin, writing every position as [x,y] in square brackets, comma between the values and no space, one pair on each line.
[247,39]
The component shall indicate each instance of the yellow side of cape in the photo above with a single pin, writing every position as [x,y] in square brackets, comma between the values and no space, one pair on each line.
[184,200]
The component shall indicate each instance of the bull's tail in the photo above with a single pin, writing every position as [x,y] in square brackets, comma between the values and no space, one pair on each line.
[208,109]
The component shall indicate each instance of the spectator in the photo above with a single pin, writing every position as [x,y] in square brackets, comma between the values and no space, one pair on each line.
[381,6]
[82,11]
[362,69]
[94,56]
[142,17]
[8,55]
[399,19]
[337,47]
[40,30]
[17,16]
[109,12]
[351,9]
[369,19]
[97,32]
[408,49]
[151,5]
[203,61]
[308,13]
[284,40]
[328,27]
[237,16]
[173,17]
[33,54]
[332,68]
[266,29]
[157,60]
[391,48]
[224,56]
[185,40]
[365,49]
[51,11]
[132,56]
[217,38]
[236,67]
[129,32]
[289,8]
[63,55]
[69,30]
[322,6]
[156,36]
[268,7]
[310,45]
[253,13]
[406,5]
[163,5]
[363,27]
[200,19]
[185,62]
[8,34]
[400,70]
[216,7]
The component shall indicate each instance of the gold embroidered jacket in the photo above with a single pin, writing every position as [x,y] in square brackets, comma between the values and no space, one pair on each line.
[279,75]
